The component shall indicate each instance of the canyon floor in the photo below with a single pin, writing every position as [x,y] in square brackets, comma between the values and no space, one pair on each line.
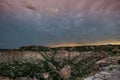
[61,63]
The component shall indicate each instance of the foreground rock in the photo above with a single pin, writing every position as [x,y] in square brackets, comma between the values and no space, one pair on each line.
[109,69]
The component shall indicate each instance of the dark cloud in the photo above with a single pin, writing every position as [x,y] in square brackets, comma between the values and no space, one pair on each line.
[79,22]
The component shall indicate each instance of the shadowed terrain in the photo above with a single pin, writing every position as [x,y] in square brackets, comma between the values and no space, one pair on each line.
[60,63]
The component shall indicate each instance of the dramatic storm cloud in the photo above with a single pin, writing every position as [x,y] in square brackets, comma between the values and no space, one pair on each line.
[59,22]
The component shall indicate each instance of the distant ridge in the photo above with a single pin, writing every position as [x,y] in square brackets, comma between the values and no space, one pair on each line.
[68,48]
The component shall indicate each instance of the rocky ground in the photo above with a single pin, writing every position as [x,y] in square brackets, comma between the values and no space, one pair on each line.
[109,70]
[73,63]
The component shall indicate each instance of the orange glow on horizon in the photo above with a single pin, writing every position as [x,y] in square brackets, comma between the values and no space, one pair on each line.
[97,43]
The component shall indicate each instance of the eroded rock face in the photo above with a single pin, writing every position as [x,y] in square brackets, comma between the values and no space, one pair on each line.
[111,72]
[50,54]
[66,72]
[105,75]
[10,55]
[62,54]
[45,75]
[33,55]
[73,54]
[107,61]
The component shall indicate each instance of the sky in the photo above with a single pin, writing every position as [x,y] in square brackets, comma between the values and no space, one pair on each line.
[59,22]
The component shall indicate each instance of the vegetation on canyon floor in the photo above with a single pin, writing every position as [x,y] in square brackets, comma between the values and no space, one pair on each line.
[58,67]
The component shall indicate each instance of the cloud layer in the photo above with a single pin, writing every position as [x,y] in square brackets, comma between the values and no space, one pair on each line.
[52,22]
